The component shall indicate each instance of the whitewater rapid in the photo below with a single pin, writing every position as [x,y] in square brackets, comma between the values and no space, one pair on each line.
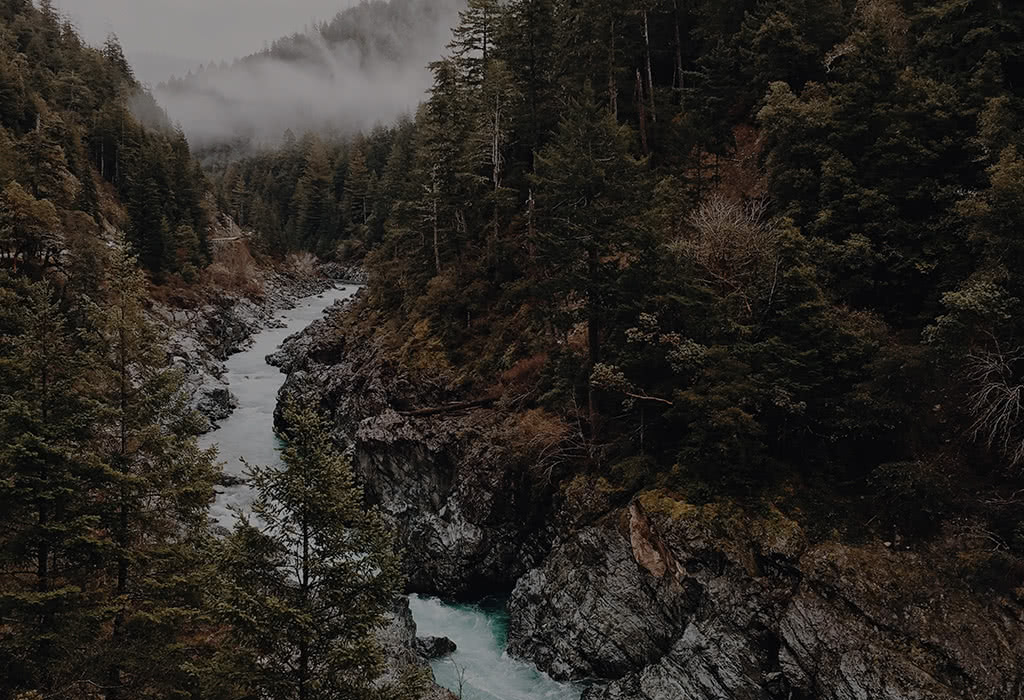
[487,672]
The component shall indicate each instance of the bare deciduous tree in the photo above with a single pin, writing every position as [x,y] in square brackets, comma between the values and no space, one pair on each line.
[736,244]
[996,400]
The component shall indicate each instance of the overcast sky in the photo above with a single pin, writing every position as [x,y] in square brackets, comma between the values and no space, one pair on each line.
[165,37]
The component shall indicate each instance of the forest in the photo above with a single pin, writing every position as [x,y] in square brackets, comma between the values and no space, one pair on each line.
[112,582]
[759,250]
[752,248]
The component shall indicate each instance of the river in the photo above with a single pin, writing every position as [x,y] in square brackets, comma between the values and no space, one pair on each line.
[486,672]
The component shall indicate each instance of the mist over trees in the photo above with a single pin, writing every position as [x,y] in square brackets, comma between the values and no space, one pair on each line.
[364,67]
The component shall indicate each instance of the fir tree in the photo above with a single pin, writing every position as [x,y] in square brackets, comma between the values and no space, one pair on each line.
[48,478]
[308,577]
[160,489]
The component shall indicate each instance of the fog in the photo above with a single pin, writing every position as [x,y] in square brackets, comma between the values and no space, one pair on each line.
[367,66]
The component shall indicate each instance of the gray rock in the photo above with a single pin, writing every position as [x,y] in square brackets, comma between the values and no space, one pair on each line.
[762,616]
[591,611]
[434,647]
[216,403]
[401,650]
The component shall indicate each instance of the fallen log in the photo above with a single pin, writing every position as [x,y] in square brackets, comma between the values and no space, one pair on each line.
[447,408]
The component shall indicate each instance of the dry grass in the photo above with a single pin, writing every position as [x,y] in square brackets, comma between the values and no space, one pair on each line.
[235,270]
[303,264]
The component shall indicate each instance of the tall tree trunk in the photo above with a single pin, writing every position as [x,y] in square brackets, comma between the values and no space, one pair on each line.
[593,337]
[613,90]
[642,113]
[650,74]
[43,556]
[496,160]
[679,54]
[304,680]
[121,535]
[437,241]
[434,221]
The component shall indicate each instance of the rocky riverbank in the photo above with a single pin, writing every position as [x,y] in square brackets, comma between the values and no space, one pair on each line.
[201,336]
[662,599]
[644,595]
[408,655]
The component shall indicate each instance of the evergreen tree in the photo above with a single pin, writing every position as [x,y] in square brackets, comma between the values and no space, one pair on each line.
[472,44]
[314,205]
[308,577]
[159,493]
[586,183]
[48,478]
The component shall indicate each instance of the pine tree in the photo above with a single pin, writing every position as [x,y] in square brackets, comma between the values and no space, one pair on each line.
[314,205]
[160,489]
[357,189]
[527,46]
[308,576]
[47,481]
[586,183]
[472,44]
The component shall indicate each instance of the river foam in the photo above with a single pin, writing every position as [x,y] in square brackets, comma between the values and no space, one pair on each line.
[248,433]
[486,671]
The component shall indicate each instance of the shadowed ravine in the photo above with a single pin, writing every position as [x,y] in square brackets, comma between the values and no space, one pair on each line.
[248,434]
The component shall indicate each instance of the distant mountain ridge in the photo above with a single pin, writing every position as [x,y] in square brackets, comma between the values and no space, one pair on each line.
[364,67]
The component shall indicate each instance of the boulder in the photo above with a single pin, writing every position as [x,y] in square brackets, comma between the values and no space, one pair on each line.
[434,647]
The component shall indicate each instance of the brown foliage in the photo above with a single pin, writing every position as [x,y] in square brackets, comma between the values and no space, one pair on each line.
[234,269]
[522,377]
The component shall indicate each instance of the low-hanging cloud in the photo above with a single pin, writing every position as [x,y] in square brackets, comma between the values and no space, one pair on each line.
[367,66]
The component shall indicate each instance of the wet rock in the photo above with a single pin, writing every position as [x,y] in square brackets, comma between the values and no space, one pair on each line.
[401,650]
[216,403]
[434,647]
[226,480]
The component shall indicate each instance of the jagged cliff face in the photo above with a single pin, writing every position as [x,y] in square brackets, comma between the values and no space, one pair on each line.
[675,601]
[468,521]
[647,596]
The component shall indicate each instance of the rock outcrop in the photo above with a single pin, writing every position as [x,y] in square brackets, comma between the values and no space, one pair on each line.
[434,647]
[662,600]
[467,521]
[402,650]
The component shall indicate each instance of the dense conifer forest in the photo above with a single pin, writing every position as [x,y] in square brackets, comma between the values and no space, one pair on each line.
[753,248]
[765,251]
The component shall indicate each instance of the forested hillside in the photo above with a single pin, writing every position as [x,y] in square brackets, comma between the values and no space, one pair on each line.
[724,247]
[112,581]
[67,114]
